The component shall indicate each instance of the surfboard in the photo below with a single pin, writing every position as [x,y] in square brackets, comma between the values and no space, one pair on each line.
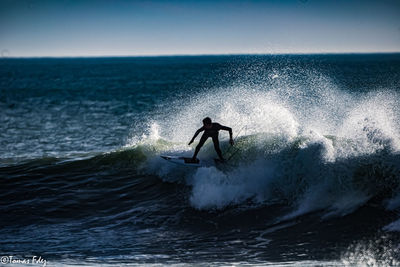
[183,161]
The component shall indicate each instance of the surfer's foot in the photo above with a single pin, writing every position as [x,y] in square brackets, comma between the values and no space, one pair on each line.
[194,160]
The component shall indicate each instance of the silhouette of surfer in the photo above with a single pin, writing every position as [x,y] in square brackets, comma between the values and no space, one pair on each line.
[210,130]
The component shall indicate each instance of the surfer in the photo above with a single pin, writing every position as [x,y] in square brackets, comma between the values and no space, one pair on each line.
[210,130]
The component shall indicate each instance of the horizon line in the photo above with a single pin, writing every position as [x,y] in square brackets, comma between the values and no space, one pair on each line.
[205,54]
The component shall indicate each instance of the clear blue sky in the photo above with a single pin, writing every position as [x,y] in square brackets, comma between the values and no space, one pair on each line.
[122,27]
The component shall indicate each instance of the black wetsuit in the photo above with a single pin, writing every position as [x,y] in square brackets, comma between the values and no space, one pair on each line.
[213,133]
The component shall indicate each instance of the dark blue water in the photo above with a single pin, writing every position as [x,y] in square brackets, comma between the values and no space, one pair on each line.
[313,178]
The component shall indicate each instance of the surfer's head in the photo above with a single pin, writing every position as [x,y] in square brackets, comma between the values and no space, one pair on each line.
[207,122]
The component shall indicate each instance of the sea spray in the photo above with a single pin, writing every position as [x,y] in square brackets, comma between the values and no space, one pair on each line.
[297,145]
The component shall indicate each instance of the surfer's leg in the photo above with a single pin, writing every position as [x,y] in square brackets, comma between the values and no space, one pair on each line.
[216,146]
[199,145]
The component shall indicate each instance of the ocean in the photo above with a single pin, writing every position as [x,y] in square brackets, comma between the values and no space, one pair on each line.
[312,180]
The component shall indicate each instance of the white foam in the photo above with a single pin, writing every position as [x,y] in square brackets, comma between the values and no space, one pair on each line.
[215,189]
[378,252]
[372,125]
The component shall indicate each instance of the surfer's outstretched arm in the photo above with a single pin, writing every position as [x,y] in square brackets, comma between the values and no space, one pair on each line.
[196,134]
[229,129]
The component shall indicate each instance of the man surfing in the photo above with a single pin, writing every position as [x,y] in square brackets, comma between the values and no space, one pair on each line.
[210,130]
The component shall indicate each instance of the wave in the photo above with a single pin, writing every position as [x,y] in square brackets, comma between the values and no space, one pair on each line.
[311,146]
[263,168]
[295,148]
